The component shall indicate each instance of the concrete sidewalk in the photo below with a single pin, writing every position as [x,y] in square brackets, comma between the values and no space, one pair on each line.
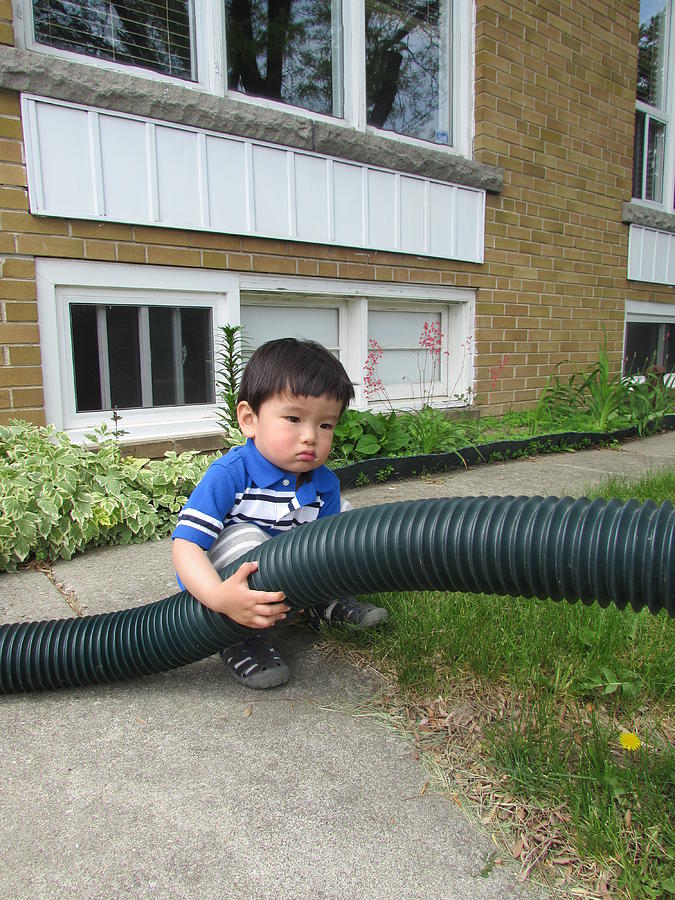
[186,785]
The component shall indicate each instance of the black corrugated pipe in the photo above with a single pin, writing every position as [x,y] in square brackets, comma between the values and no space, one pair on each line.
[604,551]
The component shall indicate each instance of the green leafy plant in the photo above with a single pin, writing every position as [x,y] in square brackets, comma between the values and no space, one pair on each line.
[431,431]
[361,435]
[57,498]
[603,397]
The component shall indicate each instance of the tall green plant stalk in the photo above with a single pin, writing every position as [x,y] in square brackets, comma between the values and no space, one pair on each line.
[231,364]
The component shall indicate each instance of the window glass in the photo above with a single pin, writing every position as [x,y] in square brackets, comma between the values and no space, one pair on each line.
[648,344]
[265,323]
[152,34]
[290,51]
[408,68]
[652,52]
[129,357]
[655,160]
[400,337]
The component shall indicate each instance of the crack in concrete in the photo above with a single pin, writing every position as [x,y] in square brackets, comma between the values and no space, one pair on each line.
[68,594]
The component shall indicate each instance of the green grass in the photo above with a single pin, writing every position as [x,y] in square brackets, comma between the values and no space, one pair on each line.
[577,676]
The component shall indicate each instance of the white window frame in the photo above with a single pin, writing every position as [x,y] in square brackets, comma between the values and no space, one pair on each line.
[639,311]
[62,281]
[59,281]
[664,115]
[457,323]
[210,51]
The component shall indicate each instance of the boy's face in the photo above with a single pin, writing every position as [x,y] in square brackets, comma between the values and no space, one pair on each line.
[293,433]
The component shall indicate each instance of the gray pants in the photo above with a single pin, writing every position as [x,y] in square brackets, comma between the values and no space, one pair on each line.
[235,540]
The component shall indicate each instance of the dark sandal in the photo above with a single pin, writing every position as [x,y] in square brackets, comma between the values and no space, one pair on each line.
[255,664]
[349,611]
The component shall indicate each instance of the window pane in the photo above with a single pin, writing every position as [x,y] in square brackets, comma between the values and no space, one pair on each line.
[162,355]
[638,153]
[652,52]
[85,357]
[408,67]
[648,344]
[655,161]
[152,34]
[197,355]
[290,51]
[124,360]
[400,335]
[265,323]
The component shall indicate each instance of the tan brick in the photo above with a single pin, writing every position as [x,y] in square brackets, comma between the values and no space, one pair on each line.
[10,127]
[27,397]
[104,250]
[239,261]
[173,256]
[5,399]
[308,267]
[11,333]
[209,241]
[214,259]
[105,231]
[21,222]
[37,245]
[156,235]
[21,312]
[328,269]
[36,416]
[14,267]
[13,198]
[12,289]
[6,34]
[274,264]
[356,271]
[24,356]
[20,376]
[131,253]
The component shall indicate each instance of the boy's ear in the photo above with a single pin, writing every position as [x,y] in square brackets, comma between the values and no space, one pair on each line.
[247,419]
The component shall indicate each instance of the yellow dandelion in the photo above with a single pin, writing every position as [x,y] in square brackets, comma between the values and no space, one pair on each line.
[630,741]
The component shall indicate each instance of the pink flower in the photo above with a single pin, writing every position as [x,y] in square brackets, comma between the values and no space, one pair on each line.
[496,371]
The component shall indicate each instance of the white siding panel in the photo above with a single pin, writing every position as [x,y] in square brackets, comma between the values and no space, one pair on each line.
[413,214]
[311,198]
[116,167]
[270,191]
[382,211]
[65,158]
[227,185]
[651,255]
[348,205]
[441,224]
[125,182]
[178,177]
[469,223]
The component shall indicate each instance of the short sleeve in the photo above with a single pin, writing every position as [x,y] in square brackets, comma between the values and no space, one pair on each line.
[201,519]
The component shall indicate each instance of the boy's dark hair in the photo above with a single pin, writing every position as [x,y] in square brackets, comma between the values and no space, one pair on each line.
[289,366]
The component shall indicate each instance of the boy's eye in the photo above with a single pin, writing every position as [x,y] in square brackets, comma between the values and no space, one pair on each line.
[327,425]
[293,419]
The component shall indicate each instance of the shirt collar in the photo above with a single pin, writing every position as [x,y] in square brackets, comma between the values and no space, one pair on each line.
[265,474]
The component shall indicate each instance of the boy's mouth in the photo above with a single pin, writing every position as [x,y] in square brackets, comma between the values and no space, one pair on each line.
[307,456]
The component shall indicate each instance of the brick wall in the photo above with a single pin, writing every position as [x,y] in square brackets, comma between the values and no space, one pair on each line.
[555,87]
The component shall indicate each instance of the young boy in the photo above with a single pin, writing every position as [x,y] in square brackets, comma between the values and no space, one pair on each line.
[291,396]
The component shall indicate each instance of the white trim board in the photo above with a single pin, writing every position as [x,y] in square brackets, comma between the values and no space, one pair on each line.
[121,168]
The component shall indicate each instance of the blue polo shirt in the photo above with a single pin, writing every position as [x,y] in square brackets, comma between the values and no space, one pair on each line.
[244,487]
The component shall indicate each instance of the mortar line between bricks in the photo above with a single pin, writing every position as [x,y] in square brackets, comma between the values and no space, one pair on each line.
[68,594]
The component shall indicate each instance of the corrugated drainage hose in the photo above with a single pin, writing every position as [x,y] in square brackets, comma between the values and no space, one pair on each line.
[604,551]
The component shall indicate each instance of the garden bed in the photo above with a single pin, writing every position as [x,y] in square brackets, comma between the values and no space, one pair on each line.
[391,468]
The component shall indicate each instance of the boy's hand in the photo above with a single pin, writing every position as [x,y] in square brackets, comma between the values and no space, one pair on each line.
[254,609]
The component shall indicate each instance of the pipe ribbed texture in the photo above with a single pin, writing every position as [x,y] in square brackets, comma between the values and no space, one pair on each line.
[604,551]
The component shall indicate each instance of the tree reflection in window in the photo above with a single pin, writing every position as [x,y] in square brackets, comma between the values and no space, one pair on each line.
[286,50]
[408,67]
